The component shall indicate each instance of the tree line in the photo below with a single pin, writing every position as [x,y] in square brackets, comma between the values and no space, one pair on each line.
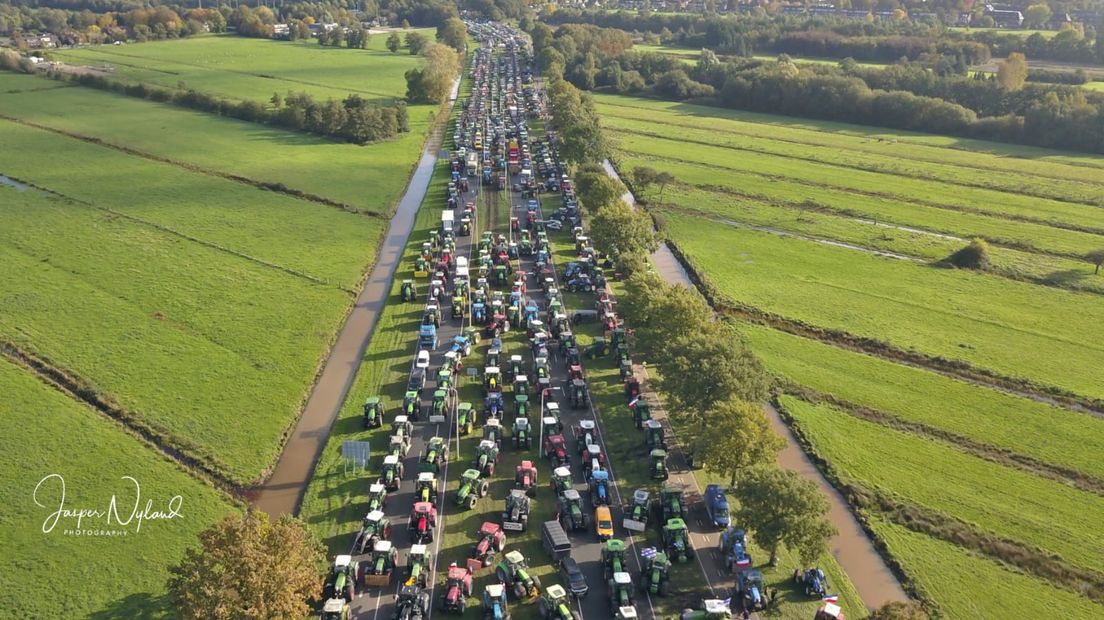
[353,119]
[73,27]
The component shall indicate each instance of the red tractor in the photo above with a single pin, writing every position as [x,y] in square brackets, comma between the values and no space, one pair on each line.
[632,388]
[458,588]
[575,371]
[525,478]
[555,450]
[492,540]
[423,520]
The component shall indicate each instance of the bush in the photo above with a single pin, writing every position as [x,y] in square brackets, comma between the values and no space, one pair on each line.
[973,256]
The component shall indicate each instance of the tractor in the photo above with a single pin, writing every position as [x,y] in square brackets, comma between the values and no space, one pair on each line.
[525,478]
[492,380]
[408,291]
[593,460]
[657,465]
[625,613]
[432,315]
[423,521]
[413,604]
[335,609]
[493,405]
[653,436]
[598,348]
[425,488]
[829,611]
[373,412]
[472,487]
[458,587]
[555,450]
[676,540]
[435,456]
[465,418]
[401,426]
[440,401]
[734,550]
[749,590]
[495,606]
[599,488]
[377,496]
[613,558]
[399,445]
[632,387]
[561,480]
[552,410]
[712,609]
[418,563]
[521,385]
[636,515]
[392,474]
[514,367]
[655,573]
[411,406]
[813,580]
[457,307]
[343,579]
[382,564]
[522,435]
[375,527]
[620,591]
[491,540]
[513,572]
[515,515]
[492,431]
[586,433]
[641,412]
[570,511]
[521,405]
[486,457]
[554,605]
[670,505]
[579,394]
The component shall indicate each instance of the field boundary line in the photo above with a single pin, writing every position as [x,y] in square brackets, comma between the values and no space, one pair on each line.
[1015,217]
[278,188]
[1024,388]
[858,167]
[204,468]
[1007,457]
[1042,563]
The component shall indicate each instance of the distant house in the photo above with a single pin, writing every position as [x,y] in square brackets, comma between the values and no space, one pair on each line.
[1005,18]
[280,29]
[35,41]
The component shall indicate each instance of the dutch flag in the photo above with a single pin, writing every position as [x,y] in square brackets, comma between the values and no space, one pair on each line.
[648,552]
[831,598]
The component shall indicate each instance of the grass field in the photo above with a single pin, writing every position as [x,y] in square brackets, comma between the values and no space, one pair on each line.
[367,178]
[43,432]
[757,205]
[246,68]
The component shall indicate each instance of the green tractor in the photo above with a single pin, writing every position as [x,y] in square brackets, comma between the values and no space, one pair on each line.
[561,480]
[373,412]
[486,457]
[377,496]
[655,573]
[523,433]
[620,591]
[653,436]
[636,514]
[670,505]
[658,464]
[413,603]
[570,511]
[391,476]
[440,403]
[554,605]
[492,431]
[513,572]
[375,527]
[472,487]
[411,406]
[676,540]
[343,578]
[521,405]
[425,488]
[436,455]
[613,558]
[465,418]
[457,307]
[335,609]
[712,609]
[641,412]
[580,396]
[381,566]
[408,291]
[598,348]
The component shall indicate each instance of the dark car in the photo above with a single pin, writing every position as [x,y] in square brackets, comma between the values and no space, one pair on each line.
[575,580]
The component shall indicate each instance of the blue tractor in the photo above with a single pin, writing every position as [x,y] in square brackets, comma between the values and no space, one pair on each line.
[599,488]
[494,603]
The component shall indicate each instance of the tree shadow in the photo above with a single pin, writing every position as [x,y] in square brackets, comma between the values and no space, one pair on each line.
[137,606]
[1065,277]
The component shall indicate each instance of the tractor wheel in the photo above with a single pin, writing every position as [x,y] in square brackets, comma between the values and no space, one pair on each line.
[462,606]
[575,615]
[471,502]
[484,487]
[536,582]
[542,609]
[663,588]
[520,590]
[500,574]
[499,544]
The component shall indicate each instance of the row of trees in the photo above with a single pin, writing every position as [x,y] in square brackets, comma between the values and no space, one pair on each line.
[83,27]
[432,81]
[353,119]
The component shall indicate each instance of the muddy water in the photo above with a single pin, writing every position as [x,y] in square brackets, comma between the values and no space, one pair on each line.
[851,547]
[283,491]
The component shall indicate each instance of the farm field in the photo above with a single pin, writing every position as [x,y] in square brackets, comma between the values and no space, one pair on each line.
[247,68]
[93,576]
[800,209]
[339,172]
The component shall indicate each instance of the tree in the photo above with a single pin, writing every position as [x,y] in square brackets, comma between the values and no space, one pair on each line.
[626,233]
[899,610]
[739,437]
[416,42]
[1036,15]
[1096,258]
[662,179]
[784,509]
[276,100]
[973,256]
[706,367]
[453,33]
[595,188]
[432,81]
[247,562]
[643,177]
[1012,71]
[394,42]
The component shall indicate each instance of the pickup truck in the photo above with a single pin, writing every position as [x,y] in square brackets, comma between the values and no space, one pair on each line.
[717,505]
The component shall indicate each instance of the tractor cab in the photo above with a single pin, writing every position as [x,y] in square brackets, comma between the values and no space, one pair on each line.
[423,521]
[522,433]
[641,412]
[465,418]
[335,609]
[391,476]
[486,458]
[586,433]
[521,405]
[636,517]
[555,448]
[425,487]
[492,380]
[373,412]
[657,465]
[401,426]
[411,405]
[561,480]
[492,431]
[521,385]
[377,496]
[514,367]
[579,394]
[495,606]
[653,436]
